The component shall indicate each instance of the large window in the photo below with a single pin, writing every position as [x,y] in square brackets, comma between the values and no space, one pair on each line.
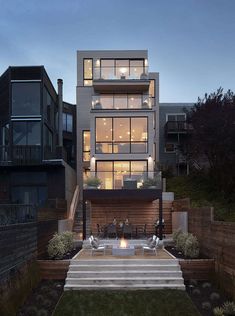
[49,107]
[86,145]
[26,132]
[115,174]
[87,72]
[120,69]
[25,98]
[121,135]
[67,122]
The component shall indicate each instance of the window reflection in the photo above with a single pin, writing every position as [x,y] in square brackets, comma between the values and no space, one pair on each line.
[87,72]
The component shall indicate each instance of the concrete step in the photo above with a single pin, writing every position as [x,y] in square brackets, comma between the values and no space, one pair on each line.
[124,287]
[125,262]
[124,280]
[121,273]
[135,267]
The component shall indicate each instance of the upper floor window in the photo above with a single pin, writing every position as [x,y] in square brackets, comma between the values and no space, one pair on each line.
[26,132]
[86,145]
[120,69]
[26,98]
[67,122]
[121,135]
[152,88]
[176,117]
[87,72]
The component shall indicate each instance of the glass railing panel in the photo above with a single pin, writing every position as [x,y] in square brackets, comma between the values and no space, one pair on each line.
[118,102]
[121,73]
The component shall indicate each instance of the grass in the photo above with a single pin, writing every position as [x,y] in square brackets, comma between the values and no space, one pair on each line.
[126,303]
[202,193]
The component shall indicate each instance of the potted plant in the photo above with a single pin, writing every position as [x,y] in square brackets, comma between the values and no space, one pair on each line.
[93,183]
[150,183]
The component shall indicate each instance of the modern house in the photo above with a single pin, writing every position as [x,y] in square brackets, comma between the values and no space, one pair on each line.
[37,153]
[118,132]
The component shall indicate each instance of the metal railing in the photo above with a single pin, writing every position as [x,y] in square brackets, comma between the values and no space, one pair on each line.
[17,213]
[121,73]
[177,127]
[117,102]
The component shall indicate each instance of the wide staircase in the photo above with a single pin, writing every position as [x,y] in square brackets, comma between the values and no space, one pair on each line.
[124,274]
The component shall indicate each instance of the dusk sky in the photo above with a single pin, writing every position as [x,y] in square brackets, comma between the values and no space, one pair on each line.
[191,43]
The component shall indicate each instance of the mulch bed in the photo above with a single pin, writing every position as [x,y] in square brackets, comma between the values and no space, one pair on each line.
[180,255]
[43,299]
[205,296]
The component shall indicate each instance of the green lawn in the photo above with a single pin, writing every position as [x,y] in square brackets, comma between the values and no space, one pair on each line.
[126,303]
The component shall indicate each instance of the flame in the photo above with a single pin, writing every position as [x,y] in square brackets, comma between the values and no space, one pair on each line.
[123,243]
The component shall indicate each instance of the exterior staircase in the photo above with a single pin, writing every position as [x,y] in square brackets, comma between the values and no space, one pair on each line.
[78,221]
[124,274]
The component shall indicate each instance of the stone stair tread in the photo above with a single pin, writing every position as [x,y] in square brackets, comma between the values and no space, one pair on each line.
[125,278]
[124,286]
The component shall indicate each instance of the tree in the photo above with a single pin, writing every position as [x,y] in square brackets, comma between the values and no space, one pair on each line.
[213,137]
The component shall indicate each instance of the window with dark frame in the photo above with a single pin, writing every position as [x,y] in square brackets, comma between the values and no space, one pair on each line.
[86,145]
[67,122]
[87,72]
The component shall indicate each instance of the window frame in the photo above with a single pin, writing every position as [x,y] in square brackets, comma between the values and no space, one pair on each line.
[92,75]
[66,114]
[85,151]
[122,142]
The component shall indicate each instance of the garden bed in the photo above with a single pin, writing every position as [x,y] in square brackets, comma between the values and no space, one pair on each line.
[180,255]
[53,269]
[67,256]
[43,299]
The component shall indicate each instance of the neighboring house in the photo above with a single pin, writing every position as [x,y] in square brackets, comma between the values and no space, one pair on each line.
[34,155]
[173,133]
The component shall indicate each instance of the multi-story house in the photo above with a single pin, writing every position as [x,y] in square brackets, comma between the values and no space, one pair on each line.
[118,128]
[35,152]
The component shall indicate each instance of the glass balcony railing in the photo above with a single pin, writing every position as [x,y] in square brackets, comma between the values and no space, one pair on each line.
[121,73]
[125,180]
[119,102]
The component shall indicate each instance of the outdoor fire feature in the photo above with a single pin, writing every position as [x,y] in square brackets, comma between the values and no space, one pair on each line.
[123,249]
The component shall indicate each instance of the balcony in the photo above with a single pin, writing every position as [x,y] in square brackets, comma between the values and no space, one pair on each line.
[122,102]
[131,79]
[177,127]
[28,155]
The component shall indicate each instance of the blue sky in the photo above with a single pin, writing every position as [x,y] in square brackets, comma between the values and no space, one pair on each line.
[190,42]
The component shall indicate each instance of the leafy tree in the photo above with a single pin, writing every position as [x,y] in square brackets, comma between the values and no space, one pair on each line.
[213,137]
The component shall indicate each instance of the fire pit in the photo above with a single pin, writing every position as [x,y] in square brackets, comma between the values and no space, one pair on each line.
[123,249]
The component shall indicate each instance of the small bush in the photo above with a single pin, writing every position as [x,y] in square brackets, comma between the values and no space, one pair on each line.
[47,303]
[218,311]
[206,306]
[93,182]
[180,242]
[229,308]
[193,282]
[31,311]
[53,294]
[196,292]
[39,299]
[67,239]
[191,247]
[56,249]
[206,285]
[176,234]
[42,312]
[214,296]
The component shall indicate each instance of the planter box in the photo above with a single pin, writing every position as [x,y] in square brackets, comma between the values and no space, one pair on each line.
[53,269]
[198,269]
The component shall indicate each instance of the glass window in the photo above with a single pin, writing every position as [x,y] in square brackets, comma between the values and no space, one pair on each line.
[134,101]
[48,139]
[103,129]
[104,171]
[67,122]
[122,69]
[27,133]
[86,145]
[49,107]
[26,98]
[169,148]
[139,130]
[87,72]
[107,69]
[121,129]
[152,88]
[136,68]
[106,101]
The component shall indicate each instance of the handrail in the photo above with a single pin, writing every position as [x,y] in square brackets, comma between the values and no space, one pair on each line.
[74,203]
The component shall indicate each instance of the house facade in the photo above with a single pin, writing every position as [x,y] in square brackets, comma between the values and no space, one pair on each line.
[117,115]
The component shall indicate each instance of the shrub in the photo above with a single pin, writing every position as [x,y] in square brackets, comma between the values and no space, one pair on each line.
[206,285]
[67,239]
[42,312]
[53,294]
[31,311]
[150,182]
[56,247]
[181,241]
[39,299]
[191,247]
[47,303]
[214,296]
[93,182]
[193,282]
[176,234]
[229,308]
[206,306]
[196,292]
[218,311]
